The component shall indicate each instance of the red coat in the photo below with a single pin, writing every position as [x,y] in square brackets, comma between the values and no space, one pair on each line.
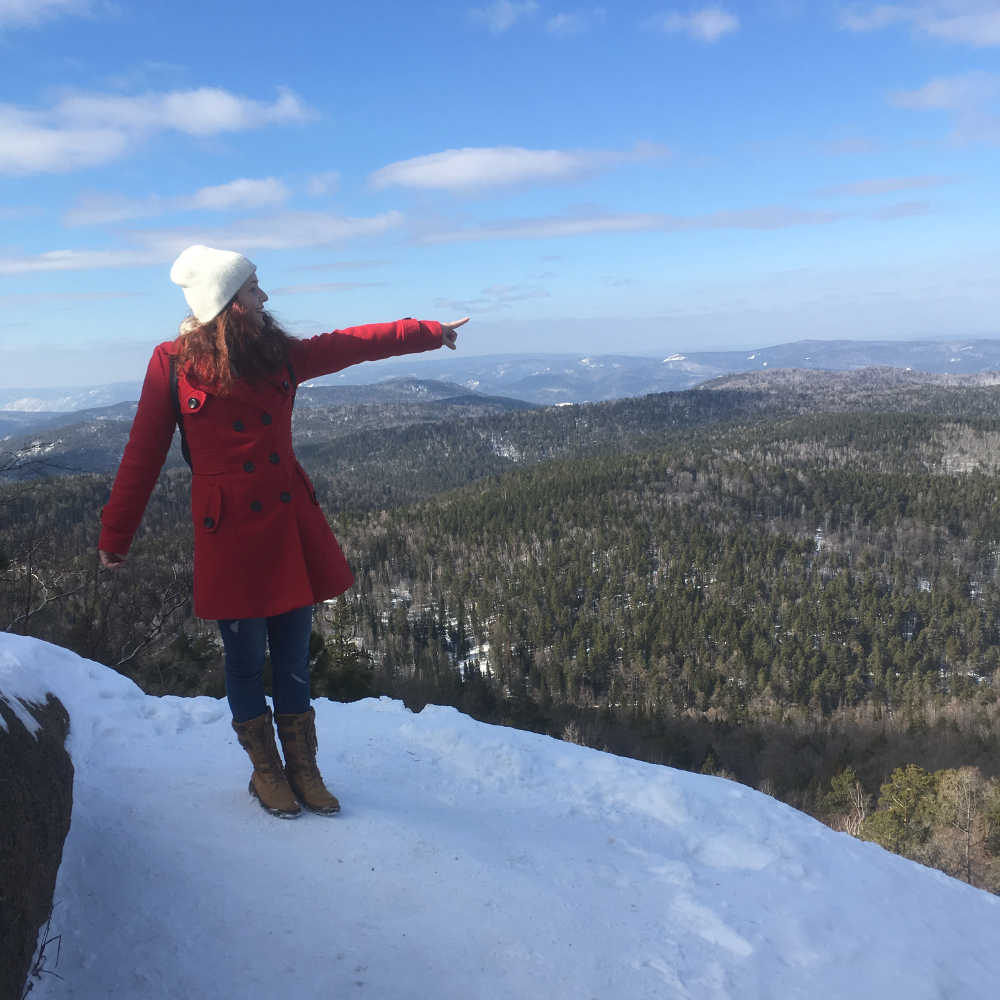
[262,544]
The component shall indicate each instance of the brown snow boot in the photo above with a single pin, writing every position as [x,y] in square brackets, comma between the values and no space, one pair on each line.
[298,740]
[267,783]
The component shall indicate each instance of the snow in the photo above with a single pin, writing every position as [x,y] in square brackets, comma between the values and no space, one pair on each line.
[469,861]
[20,685]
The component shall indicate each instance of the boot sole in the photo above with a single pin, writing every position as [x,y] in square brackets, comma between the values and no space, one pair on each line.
[316,810]
[279,813]
[319,812]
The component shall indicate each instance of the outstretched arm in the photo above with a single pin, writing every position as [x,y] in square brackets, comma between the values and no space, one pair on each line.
[332,352]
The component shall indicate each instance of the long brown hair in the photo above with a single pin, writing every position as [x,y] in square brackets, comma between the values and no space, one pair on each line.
[232,346]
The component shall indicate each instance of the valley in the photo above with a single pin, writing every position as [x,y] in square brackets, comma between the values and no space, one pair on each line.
[773,577]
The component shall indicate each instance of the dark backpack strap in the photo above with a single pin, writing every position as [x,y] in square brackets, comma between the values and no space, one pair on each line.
[291,375]
[175,398]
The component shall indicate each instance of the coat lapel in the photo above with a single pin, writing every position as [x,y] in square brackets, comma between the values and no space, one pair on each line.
[244,394]
[262,399]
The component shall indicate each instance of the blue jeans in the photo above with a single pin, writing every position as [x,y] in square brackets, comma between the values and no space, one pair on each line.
[286,637]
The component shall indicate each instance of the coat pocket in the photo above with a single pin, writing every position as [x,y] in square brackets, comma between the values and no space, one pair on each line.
[211,508]
[310,489]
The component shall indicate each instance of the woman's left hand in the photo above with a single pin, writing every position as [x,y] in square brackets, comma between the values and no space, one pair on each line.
[449,332]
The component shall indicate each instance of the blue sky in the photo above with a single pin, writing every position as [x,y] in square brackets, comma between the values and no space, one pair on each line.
[629,178]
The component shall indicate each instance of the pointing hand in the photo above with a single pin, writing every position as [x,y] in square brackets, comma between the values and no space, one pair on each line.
[449,331]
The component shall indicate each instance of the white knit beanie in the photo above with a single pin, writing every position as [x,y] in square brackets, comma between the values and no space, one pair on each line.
[210,278]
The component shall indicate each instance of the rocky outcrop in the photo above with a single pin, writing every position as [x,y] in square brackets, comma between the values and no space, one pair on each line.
[36,800]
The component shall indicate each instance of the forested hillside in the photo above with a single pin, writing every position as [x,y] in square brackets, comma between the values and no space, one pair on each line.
[719,580]
[416,441]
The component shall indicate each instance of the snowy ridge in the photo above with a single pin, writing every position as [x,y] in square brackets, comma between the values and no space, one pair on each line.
[470,861]
[551,379]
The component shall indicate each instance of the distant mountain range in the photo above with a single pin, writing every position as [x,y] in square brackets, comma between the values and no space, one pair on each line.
[877,377]
[92,439]
[68,398]
[547,379]
[402,390]
[17,422]
[564,378]
[339,424]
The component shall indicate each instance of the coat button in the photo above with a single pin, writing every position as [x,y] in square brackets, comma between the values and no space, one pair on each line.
[237,425]
[265,418]
[286,385]
[248,466]
[286,497]
[275,458]
[255,505]
[209,522]
[193,403]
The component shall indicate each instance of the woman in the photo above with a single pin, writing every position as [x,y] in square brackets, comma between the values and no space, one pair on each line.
[264,553]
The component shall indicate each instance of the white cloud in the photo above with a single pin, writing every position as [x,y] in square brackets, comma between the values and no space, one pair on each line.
[469,170]
[203,112]
[17,211]
[974,22]
[296,229]
[343,265]
[567,24]
[967,97]
[493,299]
[901,210]
[515,293]
[707,25]
[885,185]
[239,194]
[323,183]
[773,217]
[852,144]
[84,130]
[872,19]
[327,286]
[503,14]
[70,298]
[79,260]
[94,208]
[951,93]
[281,231]
[28,13]
[28,144]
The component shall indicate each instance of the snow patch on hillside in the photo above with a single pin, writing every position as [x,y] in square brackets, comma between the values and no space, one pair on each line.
[468,861]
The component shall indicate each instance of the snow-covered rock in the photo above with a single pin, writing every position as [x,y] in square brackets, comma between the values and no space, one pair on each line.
[469,861]
[36,804]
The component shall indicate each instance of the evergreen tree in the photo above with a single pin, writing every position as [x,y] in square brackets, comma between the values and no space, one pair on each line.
[339,670]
